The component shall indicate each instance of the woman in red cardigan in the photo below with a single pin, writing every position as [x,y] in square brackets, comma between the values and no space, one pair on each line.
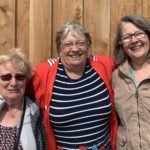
[75,94]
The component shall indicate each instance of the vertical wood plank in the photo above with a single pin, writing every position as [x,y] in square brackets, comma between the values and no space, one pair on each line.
[97,20]
[34,26]
[22,28]
[40,30]
[64,10]
[119,8]
[146,8]
[7,24]
[139,7]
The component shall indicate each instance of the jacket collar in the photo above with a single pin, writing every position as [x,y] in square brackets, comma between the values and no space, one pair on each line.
[2,102]
[125,71]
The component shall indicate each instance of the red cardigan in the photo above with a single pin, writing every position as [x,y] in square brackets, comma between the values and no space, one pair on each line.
[42,86]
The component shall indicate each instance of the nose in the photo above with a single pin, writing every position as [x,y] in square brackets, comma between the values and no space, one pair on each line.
[13,81]
[75,46]
[133,38]
[75,49]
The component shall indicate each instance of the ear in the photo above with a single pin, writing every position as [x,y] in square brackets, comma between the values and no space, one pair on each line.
[120,43]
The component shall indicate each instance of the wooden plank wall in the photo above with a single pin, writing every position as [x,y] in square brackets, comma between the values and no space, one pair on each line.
[32,24]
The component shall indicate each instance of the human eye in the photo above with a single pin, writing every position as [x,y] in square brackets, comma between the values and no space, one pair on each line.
[6,77]
[20,77]
[126,37]
[140,34]
[81,43]
[68,45]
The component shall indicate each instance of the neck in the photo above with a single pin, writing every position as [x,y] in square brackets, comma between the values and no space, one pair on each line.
[138,65]
[10,114]
[75,72]
[16,104]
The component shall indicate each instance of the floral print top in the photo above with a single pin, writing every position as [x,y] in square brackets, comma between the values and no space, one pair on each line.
[8,137]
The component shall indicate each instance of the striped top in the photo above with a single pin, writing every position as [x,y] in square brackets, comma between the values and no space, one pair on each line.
[80,111]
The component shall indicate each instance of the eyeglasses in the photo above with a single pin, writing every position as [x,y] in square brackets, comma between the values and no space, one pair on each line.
[79,44]
[127,38]
[8,77]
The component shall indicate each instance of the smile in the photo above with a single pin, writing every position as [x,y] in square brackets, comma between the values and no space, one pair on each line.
[75,56]
[137,47]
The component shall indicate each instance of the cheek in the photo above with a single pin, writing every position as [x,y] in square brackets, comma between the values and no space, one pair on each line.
[3,86]
[147,44]
[85,51]
[3,89]
[125,47]
[63,52]
[22,85]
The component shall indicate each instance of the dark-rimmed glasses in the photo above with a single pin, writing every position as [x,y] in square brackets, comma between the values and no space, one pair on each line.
[127,37]
[8,77]
[79,44]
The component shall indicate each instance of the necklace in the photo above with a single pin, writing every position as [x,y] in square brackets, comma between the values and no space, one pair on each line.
[133,78]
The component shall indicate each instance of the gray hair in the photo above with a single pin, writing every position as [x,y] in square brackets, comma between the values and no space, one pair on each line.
[75,28]
[141,23]
[18,58]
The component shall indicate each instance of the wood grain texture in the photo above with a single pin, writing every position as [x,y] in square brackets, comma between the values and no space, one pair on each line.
[64,10]
[146,8]
[97,20]
[22,27]
[119,8]
[40,30]
[32,24]
[7,24]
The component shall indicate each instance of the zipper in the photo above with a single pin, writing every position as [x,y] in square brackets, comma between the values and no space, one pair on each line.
[137,98]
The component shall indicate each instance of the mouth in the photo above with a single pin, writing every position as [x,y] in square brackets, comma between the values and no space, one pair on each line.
[14,90]
[76,55]
[135,47]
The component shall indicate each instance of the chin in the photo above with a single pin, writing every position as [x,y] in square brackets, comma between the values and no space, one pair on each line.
[15,96]
[77,64]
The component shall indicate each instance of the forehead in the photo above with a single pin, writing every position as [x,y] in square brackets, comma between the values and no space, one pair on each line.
[74,36]
[8,67]
[129,28]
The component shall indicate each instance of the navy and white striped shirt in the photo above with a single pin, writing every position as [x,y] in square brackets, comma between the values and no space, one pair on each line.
[80,110]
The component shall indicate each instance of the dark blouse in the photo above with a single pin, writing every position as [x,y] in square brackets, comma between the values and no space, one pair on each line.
[80,111]
[8,137]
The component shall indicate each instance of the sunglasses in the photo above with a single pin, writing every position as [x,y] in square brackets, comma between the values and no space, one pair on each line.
[8,77]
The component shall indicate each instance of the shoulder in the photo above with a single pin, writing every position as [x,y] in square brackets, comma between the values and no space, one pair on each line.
[41,70]
[47,64]
[115,72]
[52,61]
[31,105]
[101,58]
[106,61]
[115,77]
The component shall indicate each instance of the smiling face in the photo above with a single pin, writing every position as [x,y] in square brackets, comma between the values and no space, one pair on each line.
[12,82]
[137,48]
[74,51]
